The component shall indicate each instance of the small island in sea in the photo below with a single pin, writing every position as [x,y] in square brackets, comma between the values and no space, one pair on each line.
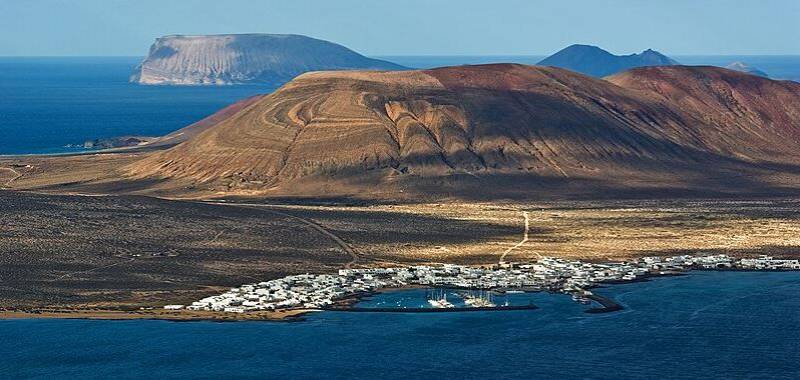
[594,61]
[228,59]
[745,68]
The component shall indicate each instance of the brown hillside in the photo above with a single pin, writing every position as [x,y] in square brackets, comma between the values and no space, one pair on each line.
[461,130]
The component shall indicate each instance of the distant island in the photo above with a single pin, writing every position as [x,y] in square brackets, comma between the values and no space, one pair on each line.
[745,68]
[594,61]
[245,58]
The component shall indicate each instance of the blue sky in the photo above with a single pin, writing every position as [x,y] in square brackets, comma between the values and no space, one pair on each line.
[410,27]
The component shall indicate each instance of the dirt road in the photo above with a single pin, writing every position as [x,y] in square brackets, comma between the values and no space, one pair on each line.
[523,241]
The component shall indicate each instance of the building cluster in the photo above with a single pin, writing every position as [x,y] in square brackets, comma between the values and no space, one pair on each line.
[308,291]
[314,291]
[719,262]
[684,262]
[769,263]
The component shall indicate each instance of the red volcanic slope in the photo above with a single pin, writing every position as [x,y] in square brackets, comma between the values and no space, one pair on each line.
[459,131]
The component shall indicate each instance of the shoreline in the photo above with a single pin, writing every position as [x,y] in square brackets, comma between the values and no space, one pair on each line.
[607,305]
[156,314]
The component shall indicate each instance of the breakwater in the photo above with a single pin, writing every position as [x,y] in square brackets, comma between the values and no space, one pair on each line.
[607,305]
[429,309]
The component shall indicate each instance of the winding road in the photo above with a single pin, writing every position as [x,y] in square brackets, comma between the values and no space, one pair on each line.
[316,226]
[17,175]
[524,238]
[70,274]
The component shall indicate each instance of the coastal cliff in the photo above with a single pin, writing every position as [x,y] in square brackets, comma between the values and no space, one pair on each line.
[245,58]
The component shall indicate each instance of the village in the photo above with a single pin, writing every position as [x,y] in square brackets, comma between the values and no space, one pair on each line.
[319,291]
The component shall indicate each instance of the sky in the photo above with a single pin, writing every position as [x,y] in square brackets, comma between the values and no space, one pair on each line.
[410,27]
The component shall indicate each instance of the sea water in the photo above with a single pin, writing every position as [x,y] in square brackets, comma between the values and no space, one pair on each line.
[48,104]
[706,325]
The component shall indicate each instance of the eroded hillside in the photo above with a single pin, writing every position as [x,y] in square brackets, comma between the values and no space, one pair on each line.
[391,132]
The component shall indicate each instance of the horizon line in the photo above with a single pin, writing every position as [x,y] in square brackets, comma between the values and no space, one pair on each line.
[412,55]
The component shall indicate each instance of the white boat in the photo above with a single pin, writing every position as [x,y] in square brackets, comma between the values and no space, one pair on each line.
[480,301]
[440,302]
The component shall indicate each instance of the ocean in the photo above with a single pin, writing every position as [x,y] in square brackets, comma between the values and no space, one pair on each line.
[49,105]
[705,325]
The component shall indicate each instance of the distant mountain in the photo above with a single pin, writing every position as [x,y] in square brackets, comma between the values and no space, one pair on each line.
[245,58]
[745,68]
[594,61]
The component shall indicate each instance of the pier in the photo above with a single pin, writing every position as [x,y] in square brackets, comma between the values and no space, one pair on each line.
[607,305]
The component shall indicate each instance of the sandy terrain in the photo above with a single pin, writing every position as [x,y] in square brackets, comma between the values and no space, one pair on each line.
[112,254]
[590,230]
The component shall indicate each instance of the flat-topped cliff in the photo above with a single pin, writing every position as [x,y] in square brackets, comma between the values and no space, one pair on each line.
[245,58]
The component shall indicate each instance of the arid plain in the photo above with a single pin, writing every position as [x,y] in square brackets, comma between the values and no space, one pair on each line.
[127,252]
[441,166]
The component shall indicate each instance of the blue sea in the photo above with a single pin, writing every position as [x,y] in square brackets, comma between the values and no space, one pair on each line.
[706,325]
[48,105]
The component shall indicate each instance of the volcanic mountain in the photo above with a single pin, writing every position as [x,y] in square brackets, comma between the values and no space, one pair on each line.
[501,130]
[245,58]
[594,61]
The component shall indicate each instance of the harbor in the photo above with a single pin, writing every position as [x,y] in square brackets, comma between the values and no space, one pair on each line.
[544,338]
[431,309]
[477,284]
